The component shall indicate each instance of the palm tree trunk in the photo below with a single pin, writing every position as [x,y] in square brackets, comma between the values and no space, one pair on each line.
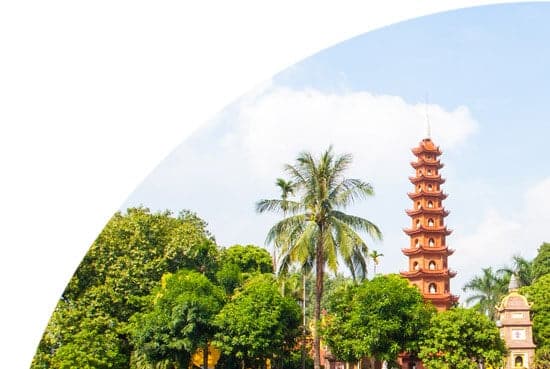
[205,356]
[304,329]
[319,271]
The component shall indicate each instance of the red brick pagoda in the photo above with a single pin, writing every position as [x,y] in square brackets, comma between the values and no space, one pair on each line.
[428,251]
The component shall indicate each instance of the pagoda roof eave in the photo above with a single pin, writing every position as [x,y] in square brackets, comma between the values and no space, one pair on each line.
[422,177]
[421,229]
[435,211]
[427,250]
[420,163]
[427,145]
[435,194]
[421,272]
[422,149]
[441,297]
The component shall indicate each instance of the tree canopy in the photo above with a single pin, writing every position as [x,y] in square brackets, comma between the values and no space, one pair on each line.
[461,339]
[180,320]
[113,281]
[539,295]
[258,323]
[380,318]
[541,263]
[249,258]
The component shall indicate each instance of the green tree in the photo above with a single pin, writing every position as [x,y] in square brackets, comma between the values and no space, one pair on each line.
[316,227]
[375,256]
[249,258]
[539,295]
[180,319]
[461,339]
[240,263]
[258,323]
[541,263]
[381,318]
[113,281]
[488,290]
[230,277]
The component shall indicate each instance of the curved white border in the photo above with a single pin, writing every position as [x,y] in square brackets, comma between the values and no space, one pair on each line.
[93,97]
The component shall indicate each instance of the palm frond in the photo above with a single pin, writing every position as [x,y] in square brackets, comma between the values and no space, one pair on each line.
[285,228]
[353,249]
[341,164]
[358,223]
[350,190]
[359,263]
[301,248]
[278,206]
[330,252]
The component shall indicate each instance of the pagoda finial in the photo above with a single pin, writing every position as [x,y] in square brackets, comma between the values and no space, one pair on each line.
[428,127]
[513,285]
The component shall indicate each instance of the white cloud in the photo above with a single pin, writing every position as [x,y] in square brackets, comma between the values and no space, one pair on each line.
[500,235]
[377,129]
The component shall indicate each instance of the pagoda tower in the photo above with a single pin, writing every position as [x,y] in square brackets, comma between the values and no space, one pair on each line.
[428,252]
[516,328]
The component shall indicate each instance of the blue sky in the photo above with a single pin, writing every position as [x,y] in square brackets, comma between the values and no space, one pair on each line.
[485,71]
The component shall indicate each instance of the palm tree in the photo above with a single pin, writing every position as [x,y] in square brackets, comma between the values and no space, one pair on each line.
[488,289]
[375,256]
[287,188]
[316,227]
[522,268]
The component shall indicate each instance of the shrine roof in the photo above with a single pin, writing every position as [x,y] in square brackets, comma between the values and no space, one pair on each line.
[514,301]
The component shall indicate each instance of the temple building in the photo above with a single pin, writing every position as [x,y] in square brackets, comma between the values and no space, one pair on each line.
[428,267]
[428,252]
[516,328]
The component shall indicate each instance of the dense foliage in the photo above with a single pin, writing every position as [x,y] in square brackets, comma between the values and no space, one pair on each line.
[258,323]
[380,318]
[541,263]
[154,288]
[490,287]
[249,258]
[461,339]
[123,265]
[180,320]
[147,294]
[539,295]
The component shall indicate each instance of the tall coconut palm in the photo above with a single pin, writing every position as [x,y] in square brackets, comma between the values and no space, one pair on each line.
[488,289]
[316,227]
[375,256]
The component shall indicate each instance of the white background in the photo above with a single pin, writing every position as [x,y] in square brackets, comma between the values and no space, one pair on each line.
[93,95]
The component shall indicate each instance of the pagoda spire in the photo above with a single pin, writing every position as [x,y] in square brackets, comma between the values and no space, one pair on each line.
[428,252]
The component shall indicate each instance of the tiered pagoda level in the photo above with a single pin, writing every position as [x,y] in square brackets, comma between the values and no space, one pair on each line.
[428,251]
